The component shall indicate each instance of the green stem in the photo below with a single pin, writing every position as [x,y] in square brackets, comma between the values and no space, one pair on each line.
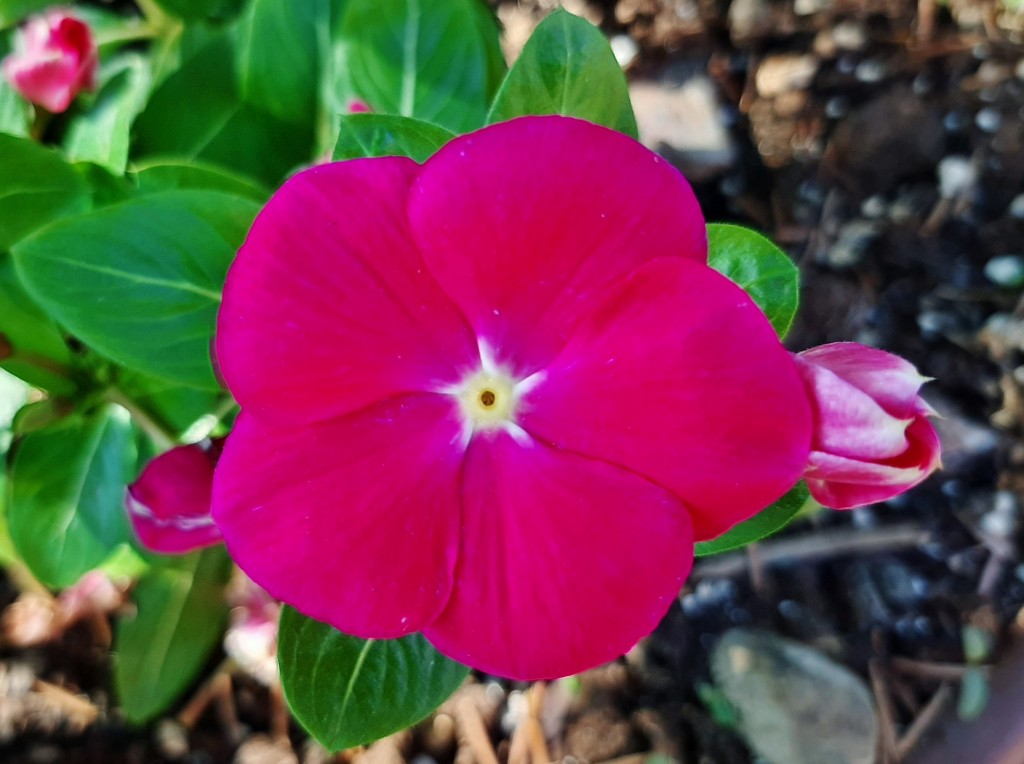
[163,439]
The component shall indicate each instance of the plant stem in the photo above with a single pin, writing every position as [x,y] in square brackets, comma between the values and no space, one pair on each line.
[158,434]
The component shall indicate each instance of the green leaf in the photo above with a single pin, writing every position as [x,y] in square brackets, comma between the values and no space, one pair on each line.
[66,513]
[436,60]
[181,617]
[766,522]
[140,281]
[974,694]
[165,176]
[760,267]
[175,407]
[36,186]
[101,133]
[218,125]
[384,135]
[568,68]
[39,354]
[347,691]
[15,112]
[13,11]
[194,10]
[279,52]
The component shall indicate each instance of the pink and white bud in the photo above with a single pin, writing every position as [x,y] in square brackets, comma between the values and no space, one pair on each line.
[169,505]
[54,59]
[251,639]
[872,439]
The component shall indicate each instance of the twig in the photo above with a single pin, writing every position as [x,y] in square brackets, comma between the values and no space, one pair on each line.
[160,437]
[76,709]
[473,732]
[535,732]
[886,713]
[935,706]
[930,669]
[818,546]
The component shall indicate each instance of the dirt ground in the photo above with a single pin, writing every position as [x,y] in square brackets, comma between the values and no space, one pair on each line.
[881,143]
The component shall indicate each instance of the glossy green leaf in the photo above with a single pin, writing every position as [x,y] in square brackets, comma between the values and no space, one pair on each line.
[568,68]
[384,135]
[218,125]
[39,354]
[140,281]
[36,186]
[436,60]
[347,691]
[165,176]
[174,407]
[66,513]
[766,272]
[101,133]
[193,10]
[181,615]
[766,522]
[13,11]
[15,113]
[278,48]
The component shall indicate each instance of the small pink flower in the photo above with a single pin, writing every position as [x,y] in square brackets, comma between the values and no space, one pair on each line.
[251,639]
[54,59]
[356,106]
[495,398]
[872,438]
[169,505]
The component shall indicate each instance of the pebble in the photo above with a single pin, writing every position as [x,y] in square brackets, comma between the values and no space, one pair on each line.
[1001,521]
[988,119]
[1019,71]
[849,35]
[957,175]
[921,85]
[624,49]
[779,74]
[874,207]
[1006,271]
[954,122]
[1017,207]
[854,239]
[870,71]
[836,107]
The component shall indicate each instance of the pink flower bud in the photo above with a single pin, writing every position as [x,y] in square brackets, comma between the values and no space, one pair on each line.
[357,106]
[169,505]
[872,439]
[54,59]
[251,639]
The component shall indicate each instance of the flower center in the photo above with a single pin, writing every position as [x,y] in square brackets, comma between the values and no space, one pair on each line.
[488,400]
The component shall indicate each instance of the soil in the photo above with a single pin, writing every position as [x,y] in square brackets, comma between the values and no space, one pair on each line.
[881,143]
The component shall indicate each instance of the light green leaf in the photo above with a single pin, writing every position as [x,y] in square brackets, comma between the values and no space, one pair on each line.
[36,186]
[101,133]
[766,522]
[762,269]
[347,691]
[181,618]
[13,11]
[66,514]
[435,60]
[140,281]
[383,135]
[568,68]
[165,176]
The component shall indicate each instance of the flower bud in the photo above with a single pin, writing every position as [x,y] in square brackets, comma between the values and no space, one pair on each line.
[169,505]
[54,58]
[872,439]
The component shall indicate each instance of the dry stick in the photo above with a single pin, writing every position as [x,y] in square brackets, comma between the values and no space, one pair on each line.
[535,732]
[886,713]
[816,546]
[929,669]
[77,710]
[217,689]
[758,579]
[474,733]
[279,717]
[935,706]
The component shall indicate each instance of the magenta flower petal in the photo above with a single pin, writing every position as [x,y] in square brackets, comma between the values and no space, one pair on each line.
[565,562]
[844,483]
[353,521]
[892,382]
[525,222]
[328,307]
[169,505]
[55,58]
[679,377]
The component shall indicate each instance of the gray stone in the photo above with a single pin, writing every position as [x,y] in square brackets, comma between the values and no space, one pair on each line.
[796,705]
[1006,271]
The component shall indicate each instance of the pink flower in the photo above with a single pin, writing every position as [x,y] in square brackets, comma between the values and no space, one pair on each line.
[54,59]
[356,106]
[872,438]
[251,638]
[495,398]
[169,505]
